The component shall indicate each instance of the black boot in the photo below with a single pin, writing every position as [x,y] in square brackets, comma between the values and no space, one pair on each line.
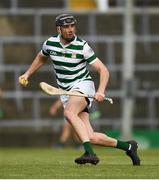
[132,152]
[87,158]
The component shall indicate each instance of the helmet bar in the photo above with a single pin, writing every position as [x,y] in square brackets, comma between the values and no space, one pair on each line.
[65,19]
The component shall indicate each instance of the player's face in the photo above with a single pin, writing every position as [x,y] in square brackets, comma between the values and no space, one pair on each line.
[68,31]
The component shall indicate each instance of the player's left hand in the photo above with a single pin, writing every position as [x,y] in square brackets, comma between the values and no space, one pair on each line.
[99,96]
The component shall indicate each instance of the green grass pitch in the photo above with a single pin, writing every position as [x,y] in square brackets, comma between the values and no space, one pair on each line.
[43,163]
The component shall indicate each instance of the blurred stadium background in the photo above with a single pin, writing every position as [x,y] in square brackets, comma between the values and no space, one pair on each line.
[125,36]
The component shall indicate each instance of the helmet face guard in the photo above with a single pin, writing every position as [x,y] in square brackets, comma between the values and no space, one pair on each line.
[65,19]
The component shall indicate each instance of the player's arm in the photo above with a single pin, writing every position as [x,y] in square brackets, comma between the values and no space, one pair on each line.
[36,64]
[103,78]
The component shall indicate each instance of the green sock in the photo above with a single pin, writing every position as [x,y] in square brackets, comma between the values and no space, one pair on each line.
[122,145]
[88,147]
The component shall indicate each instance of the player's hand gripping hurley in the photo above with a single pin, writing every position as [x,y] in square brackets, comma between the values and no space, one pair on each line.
[50,90]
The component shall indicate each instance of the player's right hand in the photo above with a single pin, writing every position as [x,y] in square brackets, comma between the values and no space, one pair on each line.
[23,80]
[99,97]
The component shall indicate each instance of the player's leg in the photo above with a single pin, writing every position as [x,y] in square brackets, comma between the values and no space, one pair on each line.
[102,139]
[76,139]
[73,108]
[95,137]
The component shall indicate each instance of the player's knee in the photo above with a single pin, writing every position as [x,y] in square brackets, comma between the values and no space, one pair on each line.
[68,115]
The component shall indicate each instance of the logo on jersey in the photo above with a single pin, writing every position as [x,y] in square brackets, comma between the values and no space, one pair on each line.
[51,52]
[73,55]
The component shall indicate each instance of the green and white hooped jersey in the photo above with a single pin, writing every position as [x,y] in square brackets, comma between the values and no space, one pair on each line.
[70,61]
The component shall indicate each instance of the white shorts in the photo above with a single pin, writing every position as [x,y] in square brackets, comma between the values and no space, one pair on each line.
[85,87]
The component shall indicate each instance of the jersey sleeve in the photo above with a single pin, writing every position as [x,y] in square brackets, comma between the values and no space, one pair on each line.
[88,53]
[44,49]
